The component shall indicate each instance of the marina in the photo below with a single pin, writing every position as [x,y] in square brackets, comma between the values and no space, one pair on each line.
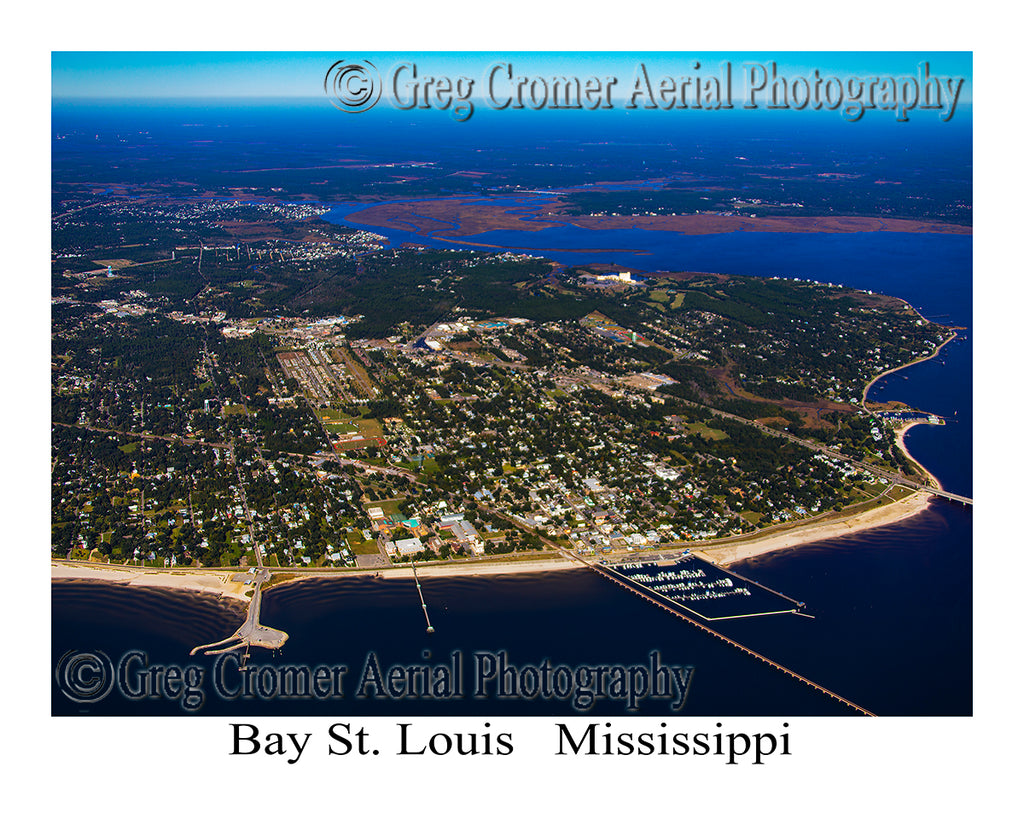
[658,600]
[910,417]
[705,590]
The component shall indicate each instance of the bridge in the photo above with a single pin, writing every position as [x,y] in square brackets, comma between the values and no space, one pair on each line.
[950,496]
[909,482]
[650,598]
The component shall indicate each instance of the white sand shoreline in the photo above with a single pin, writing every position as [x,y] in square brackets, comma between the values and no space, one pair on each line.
[212,582]
[901,434]
[891,513]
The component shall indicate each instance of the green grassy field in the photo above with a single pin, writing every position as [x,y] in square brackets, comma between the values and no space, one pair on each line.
[342,427]
[390,507]
[328,414]
[358,546]
[703,430]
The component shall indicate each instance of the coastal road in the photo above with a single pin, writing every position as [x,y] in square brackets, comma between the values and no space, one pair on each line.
[880,471]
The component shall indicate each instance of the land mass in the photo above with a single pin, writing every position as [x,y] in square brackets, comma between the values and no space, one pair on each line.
[234,373]
[460,218]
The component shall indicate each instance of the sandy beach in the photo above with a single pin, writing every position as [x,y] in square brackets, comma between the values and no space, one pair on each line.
[900,435]
[214,582]
[527,567]
[220,583]
[881,516]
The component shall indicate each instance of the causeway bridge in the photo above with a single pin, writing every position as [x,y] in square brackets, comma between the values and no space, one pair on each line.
[651,598]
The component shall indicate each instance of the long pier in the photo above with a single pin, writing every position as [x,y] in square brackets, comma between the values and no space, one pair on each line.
[251,632]
[419,589]
[671,610]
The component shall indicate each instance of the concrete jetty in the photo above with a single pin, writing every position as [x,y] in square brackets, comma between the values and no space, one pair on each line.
[251,632]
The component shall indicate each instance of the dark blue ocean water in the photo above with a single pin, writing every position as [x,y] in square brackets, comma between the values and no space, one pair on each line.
[892,607]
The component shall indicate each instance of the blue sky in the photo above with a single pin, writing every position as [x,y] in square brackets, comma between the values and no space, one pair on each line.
[234,75]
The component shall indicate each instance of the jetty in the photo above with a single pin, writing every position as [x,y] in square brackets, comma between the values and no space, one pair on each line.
[251,632]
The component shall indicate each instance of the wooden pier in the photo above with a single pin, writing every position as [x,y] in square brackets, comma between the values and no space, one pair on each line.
[419,589]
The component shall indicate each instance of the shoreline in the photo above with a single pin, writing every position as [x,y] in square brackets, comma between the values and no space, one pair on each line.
[871,383]
[905,428]
[219,581]
[471,215]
